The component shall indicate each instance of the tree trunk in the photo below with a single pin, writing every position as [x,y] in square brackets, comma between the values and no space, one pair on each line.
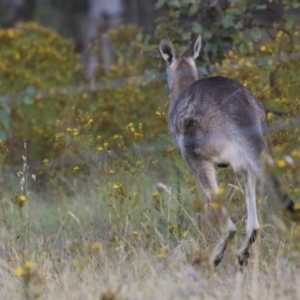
[103,15]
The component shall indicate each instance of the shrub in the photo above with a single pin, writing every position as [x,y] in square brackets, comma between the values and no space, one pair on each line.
[34,63]
[45,98]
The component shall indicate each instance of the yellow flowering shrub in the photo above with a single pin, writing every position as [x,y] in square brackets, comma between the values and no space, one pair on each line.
[46,99]
[271,71]
[132,95]
[36,65]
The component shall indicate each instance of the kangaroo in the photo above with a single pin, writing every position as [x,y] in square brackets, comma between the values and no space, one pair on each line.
[217,120]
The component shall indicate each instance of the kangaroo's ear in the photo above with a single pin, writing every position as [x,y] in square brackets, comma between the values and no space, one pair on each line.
[167,50]
[194,48]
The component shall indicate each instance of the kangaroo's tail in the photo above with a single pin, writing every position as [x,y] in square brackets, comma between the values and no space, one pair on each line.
[288,206]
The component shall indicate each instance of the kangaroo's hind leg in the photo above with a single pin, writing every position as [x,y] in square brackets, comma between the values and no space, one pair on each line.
[206,175]
[252,226]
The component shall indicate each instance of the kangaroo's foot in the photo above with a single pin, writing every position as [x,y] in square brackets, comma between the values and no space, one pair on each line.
[219,250]
[243,253]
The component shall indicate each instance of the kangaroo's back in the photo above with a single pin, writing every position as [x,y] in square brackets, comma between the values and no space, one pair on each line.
[216,105]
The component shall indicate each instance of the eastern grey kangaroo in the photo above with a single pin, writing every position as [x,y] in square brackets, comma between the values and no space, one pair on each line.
[217,120]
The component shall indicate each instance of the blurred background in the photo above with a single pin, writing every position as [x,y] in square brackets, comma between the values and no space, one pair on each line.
[84,77]
[82,20]
[90,179]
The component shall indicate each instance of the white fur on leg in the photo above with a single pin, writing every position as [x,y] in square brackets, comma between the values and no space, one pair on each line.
[252,219]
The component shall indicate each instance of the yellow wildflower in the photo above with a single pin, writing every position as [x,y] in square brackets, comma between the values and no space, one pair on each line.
[270,116]
[75,169]
[155,194]
[172,228]
[295,153]
[135,233]
[84,96]
[137,135]
[22,198]
[19,271]
[296,207]
[17,56]
[214,205]
[161,255]
[96,246]
[221,191]
[185,233]
[19,200]
[75,131]
[30,265]
[11,33]
[280,163]
[263,48]
[119,189]
[100,149]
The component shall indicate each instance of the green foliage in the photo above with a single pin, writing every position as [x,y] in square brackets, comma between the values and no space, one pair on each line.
[34,62]
[270,71]
[222,23]
[43,68]
[46,99]
[33,56]
[125,111]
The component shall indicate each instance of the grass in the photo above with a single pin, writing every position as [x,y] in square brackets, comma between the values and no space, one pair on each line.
[140,274]
[124,235]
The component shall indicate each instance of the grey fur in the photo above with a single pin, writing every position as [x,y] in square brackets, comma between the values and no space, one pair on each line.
[216,120]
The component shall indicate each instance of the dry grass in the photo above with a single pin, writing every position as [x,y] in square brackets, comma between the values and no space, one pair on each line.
[127,236]
[144,276]
[71,250]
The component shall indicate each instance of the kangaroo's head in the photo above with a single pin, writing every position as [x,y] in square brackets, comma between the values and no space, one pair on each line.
[181,69]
